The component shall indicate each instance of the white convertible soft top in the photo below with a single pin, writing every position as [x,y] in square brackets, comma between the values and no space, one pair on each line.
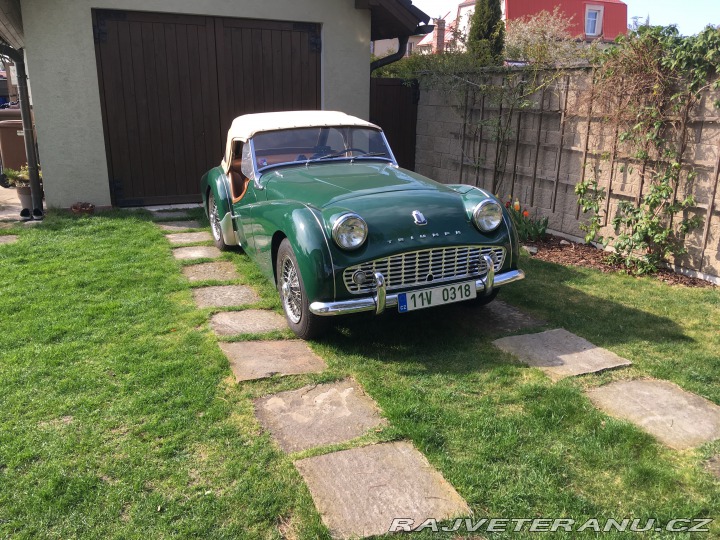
[246,126]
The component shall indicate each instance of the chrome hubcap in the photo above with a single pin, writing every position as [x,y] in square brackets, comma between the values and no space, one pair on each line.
[290,290]
[214,220]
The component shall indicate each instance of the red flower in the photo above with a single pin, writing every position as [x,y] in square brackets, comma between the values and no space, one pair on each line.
[507,204]
[526,213]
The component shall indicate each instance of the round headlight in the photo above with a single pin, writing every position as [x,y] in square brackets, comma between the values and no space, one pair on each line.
[350,231]
[488,215]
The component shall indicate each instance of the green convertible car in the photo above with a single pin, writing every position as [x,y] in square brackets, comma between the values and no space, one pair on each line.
[318,201]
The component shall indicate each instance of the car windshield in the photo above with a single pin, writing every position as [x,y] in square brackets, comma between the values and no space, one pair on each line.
[303,145]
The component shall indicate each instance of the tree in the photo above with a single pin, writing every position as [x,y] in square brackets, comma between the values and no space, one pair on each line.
[544,40]
[486,38]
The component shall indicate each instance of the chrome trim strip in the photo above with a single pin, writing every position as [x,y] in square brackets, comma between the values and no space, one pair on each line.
[387,145]
[256,173]
[509,228]
[358,305]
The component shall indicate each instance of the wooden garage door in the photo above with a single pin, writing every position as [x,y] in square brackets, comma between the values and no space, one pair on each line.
[171,84]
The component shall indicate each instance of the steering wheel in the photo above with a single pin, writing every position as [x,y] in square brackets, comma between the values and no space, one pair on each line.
[341,152]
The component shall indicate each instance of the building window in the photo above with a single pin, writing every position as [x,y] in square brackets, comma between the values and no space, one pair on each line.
[409,48]
[593,20]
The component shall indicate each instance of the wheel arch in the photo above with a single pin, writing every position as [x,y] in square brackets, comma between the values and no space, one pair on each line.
[277,239]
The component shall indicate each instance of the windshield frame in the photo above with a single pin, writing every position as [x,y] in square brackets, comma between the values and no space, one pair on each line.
[260,171]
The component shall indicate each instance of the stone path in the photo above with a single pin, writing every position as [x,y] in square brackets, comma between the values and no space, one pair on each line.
[225,296]
[318,415]
[177,226]
[677,418]
[188,238]
[213,271]
[260,359]
[196,252]
[9,204]
[250,321]
[359,492]
[8,239]
[560,354]
[169,214]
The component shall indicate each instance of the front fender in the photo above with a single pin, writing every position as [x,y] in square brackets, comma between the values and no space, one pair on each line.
[472,196]
[301,225]
[215,181]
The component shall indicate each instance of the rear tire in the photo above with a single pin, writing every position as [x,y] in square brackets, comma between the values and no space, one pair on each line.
[293,297]
[215,227]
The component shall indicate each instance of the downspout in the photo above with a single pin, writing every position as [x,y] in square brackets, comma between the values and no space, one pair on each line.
[402,49]
[19,59]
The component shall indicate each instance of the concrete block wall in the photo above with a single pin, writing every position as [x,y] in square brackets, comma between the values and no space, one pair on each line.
[458,144]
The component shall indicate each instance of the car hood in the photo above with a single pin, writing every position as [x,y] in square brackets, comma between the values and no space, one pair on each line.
[386,198]
[329,184]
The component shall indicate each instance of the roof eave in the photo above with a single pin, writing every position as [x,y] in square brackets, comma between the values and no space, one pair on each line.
[11,27]
[393,18]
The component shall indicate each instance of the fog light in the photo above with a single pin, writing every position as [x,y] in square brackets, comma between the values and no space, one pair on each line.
[359,278]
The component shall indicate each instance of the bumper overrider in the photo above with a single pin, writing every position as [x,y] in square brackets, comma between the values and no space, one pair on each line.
[381,300]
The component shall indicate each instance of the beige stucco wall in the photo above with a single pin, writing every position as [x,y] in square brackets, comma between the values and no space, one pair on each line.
[61,61]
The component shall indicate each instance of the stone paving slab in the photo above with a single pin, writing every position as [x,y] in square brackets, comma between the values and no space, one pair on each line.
[170,215]
[189,238]
[677,418]
[359,492]
[318,415]
[196,252]
[175,226]
[225,296]
[259,359]
[497,318]
[8,239]
[216,271]
[560,353]
[250,321]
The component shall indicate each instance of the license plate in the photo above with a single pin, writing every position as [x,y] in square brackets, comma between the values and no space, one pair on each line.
[436,296]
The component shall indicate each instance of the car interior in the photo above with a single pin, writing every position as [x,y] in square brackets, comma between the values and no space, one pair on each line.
[238,181]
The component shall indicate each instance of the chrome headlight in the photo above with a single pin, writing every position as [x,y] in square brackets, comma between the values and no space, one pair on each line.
[488,215]
[350,231]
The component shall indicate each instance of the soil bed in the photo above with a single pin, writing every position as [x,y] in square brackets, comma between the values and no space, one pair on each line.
[560,251]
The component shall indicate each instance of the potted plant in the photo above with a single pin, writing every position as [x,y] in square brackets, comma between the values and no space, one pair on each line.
[21,180]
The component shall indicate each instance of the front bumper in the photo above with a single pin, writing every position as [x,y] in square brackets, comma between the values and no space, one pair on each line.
[381,300]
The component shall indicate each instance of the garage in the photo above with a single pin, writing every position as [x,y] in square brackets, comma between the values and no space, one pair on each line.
[170,86]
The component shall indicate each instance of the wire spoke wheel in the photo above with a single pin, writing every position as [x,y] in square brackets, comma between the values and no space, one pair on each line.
[290,291]
[215,220]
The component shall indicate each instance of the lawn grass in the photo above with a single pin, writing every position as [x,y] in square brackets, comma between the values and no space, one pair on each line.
[118,417]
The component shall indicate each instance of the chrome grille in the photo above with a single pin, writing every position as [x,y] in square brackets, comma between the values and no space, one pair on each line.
[425,267]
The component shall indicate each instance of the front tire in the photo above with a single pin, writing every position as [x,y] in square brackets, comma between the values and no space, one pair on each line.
[296,306]
[215,227]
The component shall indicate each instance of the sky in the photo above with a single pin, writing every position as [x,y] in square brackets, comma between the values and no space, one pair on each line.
[690,16]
